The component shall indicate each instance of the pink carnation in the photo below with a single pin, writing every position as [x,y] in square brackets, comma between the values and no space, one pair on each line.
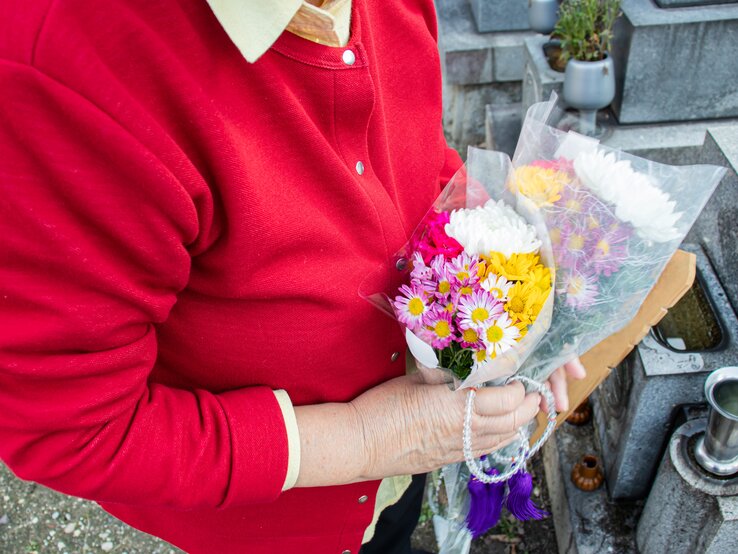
[434,241]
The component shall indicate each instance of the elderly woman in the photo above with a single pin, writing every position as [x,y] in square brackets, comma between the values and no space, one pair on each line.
[191,194]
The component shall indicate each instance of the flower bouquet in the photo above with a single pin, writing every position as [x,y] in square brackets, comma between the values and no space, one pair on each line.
[521,266]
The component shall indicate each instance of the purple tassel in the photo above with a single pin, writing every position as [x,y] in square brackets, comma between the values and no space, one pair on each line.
[518,501]
[486,504]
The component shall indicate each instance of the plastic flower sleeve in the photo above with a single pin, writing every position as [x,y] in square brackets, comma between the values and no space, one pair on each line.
[614,221]
[484,178]
[449,503]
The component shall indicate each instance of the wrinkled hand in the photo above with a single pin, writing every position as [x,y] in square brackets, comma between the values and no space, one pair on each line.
[412,426]
[557,383]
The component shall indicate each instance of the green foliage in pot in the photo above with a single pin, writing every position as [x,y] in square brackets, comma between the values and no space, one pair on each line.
[585,28]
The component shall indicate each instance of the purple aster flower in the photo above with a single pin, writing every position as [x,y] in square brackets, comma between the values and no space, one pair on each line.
[607,248]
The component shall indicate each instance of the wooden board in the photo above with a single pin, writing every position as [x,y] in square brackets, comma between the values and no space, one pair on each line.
[675,281]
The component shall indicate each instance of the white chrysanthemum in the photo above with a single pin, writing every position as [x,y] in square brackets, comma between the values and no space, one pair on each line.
[651,212]
[602,173]
[637,199]
[494,227]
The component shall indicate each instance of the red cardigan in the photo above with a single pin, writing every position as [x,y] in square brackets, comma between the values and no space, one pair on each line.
[183,231]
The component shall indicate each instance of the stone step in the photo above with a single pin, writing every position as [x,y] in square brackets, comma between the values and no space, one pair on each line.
[472,58]
[671,143]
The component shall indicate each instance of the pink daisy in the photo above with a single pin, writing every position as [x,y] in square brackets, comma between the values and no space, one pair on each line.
[439,328]
[411,306]
[478,310]
[463,269]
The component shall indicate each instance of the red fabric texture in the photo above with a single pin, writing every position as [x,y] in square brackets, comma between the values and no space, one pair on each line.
[184,231]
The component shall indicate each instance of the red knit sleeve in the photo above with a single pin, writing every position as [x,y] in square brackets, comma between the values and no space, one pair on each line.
[94,251]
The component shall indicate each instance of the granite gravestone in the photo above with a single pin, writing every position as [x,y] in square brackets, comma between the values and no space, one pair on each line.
[676,64]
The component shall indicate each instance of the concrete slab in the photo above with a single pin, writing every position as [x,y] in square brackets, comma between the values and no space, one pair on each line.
[716,229]
[586,522]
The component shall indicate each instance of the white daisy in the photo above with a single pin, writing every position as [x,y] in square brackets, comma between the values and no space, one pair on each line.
[497,286]
[500,335]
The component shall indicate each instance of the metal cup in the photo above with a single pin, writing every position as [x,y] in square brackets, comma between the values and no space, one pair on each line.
[717,450]
[542,15]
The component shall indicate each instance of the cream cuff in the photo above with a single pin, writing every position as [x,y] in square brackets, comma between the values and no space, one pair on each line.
[293,438]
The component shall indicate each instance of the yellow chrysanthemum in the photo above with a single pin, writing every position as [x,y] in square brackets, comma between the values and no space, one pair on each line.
[540,276]
[525,302]
[541,185]
[481,269]
[514,268]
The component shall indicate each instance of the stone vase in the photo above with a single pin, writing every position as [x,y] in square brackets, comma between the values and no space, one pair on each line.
[589,86]
[542,15]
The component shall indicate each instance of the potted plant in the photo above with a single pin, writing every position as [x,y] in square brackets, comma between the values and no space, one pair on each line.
[585,29]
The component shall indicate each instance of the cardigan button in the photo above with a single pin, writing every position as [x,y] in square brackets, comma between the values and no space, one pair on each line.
[401,264]
[363,498]
[360,168]
[393,358]
[346,552]
[348,57]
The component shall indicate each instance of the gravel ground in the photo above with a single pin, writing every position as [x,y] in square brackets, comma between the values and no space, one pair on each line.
[36,520]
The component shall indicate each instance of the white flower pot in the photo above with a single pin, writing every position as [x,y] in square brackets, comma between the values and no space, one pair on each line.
[589,86]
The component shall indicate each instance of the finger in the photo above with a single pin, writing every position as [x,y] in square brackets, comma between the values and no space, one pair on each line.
[511,421]
[496,401]
[575,369]
[559,390]
[508,440]
[544,402]
[494,443]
